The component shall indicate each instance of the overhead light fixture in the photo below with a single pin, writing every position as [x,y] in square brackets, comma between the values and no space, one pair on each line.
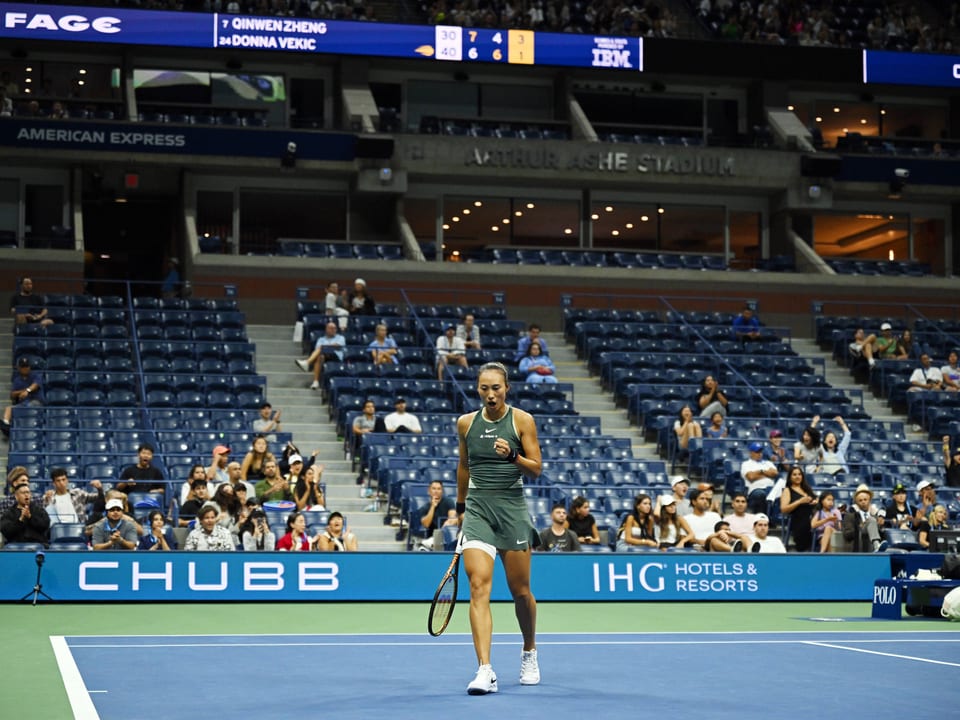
[495,228]
[456,218]
[530,206]
[477,203]
[466,211]
[568,231]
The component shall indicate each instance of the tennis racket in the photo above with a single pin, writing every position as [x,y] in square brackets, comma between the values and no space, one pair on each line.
[445,598]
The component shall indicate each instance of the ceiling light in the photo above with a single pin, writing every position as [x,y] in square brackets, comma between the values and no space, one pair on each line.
[609,208]
[518,213]
[661,210]
[446,226]
[455,218]
[836,109]
[495,228]
[615,233]
[818,119]
[790,108]
[83,71]
[568,231]
[505,221]
[629,226]
[477,203]
[644,218]
[594,216]
[466,211]
[530,206]
[863,121]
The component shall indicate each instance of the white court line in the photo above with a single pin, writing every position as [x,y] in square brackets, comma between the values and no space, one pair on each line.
[80,700]
[883,654]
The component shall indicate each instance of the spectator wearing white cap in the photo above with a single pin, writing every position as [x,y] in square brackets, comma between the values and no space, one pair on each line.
[113,532]
[671,529]
[926,377]
[679,485]
[874,348]
[758,476]
[927,498]
[760,540]
[360,303]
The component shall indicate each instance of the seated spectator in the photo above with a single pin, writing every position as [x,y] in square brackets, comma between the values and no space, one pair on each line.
[208,535]
[717,427]
[637,529]
[709,531]
[335,305]
[834,452]
[98,511]
[825,522]
[27,307]
[400,420]
[296,538]
[740,521]
[951,463]
[898,514]
[523,344]
[26,521]
[558,537]
[274,486]
[671,529]
[807,452]
[307,492]
[198,473]
[686,427]
[268,422]
[798,502]
[360,302]
[451,350]
[759,476]
[364,423]
[171,285]
[256,535]
[234,472]
[925,377]
[69,505]
[336,538]
[746,327]
[383,349]
[16,477]
[469,333]
[156,538]
[861,528]
[439,512]
[25,389]
[936,521]
[760,541]
[874,348]
[679,484]
[114,532]
[582,522]
[711,399]
[927,492]
[537,367]
[329,346]
[907,349]
[230,509]
[198,496]
[777,453]
[217,470]
[144,476]
[951,373]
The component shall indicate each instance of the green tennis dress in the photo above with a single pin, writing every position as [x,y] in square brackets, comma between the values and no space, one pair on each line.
[496,511]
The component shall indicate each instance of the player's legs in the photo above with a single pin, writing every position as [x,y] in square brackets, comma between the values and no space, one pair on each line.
[479,568]
[516,563]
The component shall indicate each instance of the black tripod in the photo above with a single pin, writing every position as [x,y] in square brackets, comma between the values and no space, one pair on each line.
[38,587]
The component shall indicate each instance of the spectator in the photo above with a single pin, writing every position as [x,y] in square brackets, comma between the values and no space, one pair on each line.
[758,475]
[740,521]
[329,346]
[439,512]
[711,399]
[170,288]
[383,349]
[335,305]
[777,453]
[16,477]
[27,307]
[230,508]
[825,522]
[469,333]
[114,532]
[558,537]
[156,538]
[360,302]
[898,513]
[268,422]
[256,534]
[951,373]
[717,427]
[637,529]
[746,327]
[217,470]
[196,499]
[807,452]
[197,473]
[523,344]
[582,523]
[679,484]
[208,535]
[26,521]
[860,526]
[686,427]
[235,472]
[671,529]
[707,527]
[834,452]
[400,420]
[874,348]
[69,505]
[336,538]
[296,538]
[143,476]
[925,377]
[936,521]
[364,423]
[25,389]
[760,541]
[927,492]
[538,367]
[951,463]
[98,512]
[907,349]
[308,492]
[274,486]
[255,460]
[451,350]
[798,501]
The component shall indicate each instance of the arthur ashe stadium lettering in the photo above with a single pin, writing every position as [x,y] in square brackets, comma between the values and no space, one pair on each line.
[545,159]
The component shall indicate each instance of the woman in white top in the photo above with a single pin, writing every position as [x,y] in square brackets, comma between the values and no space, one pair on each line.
[807,452]
[672,530]
[686,427]
[637,530]
[833,459]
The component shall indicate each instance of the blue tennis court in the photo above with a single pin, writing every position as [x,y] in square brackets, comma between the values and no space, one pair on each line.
[730,675]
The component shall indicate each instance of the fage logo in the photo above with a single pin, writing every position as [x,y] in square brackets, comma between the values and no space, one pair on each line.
[68,23]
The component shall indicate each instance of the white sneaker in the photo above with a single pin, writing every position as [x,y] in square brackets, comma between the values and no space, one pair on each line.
[302,364]
[315,385]
[529,668]
[485,681]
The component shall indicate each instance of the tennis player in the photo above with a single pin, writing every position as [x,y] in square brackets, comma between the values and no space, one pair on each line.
[498,446]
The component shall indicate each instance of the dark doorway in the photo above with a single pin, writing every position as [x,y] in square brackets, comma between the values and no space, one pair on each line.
[129,241]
